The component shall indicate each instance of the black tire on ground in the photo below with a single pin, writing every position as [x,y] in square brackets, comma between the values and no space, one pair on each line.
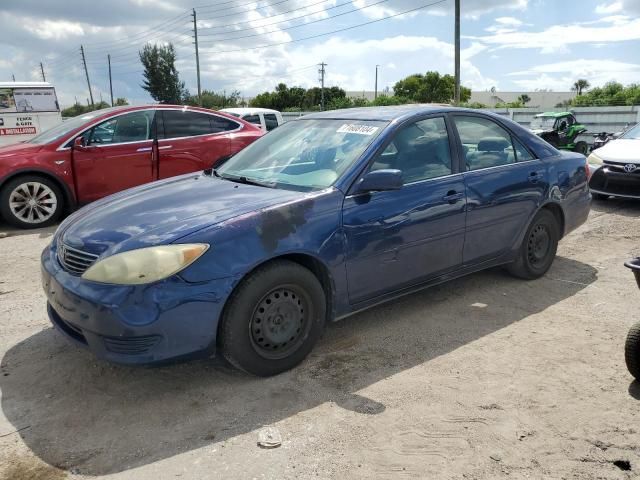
[46,193]
[582,147]
[538,248]
[599,196]
[632,351]
[273,319]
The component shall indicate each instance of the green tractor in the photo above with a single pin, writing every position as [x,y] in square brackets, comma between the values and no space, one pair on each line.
[560,129]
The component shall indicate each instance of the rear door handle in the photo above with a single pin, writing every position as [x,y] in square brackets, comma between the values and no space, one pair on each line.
[453,196]
[165,147]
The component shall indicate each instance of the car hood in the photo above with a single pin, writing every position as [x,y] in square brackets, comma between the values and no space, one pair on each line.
[625,150]
[163,212]
[17,149]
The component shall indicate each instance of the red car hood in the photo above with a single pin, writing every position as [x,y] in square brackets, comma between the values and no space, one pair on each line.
[17,149]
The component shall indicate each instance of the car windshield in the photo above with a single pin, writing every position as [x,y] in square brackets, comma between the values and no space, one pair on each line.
[542,122]
[303,154]
[633,133]
[67,126]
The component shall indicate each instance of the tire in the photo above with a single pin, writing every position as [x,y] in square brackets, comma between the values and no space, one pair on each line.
[538,248]
[581,147]
[258,331]
[47,195]
[632,351]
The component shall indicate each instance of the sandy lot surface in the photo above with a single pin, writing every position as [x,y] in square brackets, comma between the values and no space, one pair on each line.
[483,377]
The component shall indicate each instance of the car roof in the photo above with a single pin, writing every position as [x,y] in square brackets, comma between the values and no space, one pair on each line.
[249,110]
[554,114]
[388,114]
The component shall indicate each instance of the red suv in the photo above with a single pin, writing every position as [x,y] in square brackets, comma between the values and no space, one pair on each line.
[94,155]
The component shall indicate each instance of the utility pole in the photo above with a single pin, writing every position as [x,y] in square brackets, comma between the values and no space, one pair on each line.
[457,53]
[195,35]
[76,97]
[322,73]
[14,77]
[44,79]
[375,92]
[86,72]
[110,82]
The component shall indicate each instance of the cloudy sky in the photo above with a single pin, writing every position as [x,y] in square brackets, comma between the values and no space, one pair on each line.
[250,46]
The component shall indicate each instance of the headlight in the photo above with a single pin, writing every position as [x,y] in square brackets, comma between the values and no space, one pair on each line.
[145,265]
[594,160]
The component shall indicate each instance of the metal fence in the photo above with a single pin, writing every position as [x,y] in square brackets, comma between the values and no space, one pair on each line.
[595,119]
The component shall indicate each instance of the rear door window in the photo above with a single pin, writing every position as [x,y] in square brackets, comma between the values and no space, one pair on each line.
[271,121]
[221,124]
[185,123]
[255,119]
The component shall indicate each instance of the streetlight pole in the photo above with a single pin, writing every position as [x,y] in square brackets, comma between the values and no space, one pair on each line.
[375,92]
[457,53]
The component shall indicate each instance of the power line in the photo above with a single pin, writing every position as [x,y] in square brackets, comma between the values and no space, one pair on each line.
[272,16]
[332,32]
[300,25]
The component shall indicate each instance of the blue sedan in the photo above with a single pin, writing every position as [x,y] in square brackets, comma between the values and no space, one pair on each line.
[323,217]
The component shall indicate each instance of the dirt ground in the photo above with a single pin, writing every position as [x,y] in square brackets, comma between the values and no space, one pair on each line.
[483,377]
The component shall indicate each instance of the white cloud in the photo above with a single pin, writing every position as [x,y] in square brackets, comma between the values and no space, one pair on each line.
[470,8]
[607,9]
[54,29]
[557,38]
[560,76]
[509,21]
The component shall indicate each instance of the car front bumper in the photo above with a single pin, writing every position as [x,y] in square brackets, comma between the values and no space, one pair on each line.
[140,324]
[607,180]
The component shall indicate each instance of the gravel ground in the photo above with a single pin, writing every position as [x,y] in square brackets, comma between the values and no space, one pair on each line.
[483,377]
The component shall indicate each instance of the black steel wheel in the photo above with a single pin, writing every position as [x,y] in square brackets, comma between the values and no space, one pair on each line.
[273,319]
[538,248]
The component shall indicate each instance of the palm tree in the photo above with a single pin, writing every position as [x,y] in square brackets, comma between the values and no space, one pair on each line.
[581,85]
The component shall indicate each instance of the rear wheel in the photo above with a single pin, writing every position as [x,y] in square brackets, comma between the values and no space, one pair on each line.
[538,248]
[31,201]
[632,351]
[273,319]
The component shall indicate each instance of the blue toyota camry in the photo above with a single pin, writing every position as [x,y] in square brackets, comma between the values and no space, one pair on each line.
[322,217]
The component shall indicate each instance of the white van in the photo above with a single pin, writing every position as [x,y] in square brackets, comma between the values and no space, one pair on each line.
[26,110]
[265,118]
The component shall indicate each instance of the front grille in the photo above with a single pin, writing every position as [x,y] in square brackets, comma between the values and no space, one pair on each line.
[619,167]
[73,260]
[131,345]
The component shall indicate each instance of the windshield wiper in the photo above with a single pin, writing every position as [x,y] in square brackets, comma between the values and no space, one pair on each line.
[242,179]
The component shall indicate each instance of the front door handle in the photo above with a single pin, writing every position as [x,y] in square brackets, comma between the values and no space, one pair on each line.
[452,196]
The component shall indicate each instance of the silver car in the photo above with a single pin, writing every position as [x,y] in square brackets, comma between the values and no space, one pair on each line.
[615,167]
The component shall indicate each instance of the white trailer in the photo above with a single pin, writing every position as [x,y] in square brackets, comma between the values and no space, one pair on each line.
[26,110]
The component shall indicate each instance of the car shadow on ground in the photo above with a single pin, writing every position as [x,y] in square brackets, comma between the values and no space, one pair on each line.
[7,230]
[620,206]
[75,412]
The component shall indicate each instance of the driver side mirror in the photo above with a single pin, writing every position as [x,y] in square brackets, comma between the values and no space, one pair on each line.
[381,180]
[80,143]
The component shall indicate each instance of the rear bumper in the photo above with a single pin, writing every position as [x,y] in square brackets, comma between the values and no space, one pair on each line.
[134,324]
[605,181]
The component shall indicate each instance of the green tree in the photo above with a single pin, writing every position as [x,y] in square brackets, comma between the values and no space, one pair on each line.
[430,88]
[214,100]
[580,85]
[161,78]
[611,94]
[524,99]
[79,109]
[121,102]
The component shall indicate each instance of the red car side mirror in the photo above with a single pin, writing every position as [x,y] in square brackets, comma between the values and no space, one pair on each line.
[80,143]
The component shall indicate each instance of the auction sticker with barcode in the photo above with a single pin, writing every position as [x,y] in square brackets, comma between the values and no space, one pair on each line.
[359,129]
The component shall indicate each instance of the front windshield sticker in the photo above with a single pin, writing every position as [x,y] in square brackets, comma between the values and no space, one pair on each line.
[359,129]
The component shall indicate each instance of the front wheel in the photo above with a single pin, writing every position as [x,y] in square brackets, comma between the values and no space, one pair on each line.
[581,147]
[273,319]
[538,248]
[31,201]
[632,351]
